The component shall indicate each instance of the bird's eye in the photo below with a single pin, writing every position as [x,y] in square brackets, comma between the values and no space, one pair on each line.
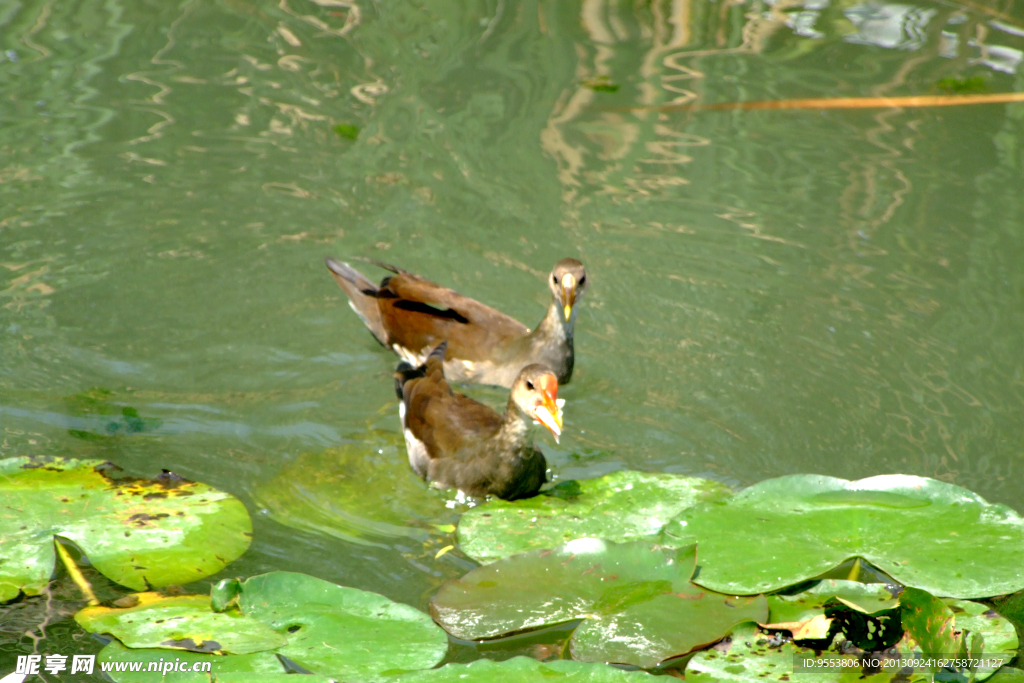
[554,278]
[529,385]
[583,279]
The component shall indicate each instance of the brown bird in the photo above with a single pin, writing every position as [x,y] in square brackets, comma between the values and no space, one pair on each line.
[411,316]
[456,442]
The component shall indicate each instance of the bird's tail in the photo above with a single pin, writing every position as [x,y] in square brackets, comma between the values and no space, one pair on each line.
[403,373]
[362,295]
[406,371]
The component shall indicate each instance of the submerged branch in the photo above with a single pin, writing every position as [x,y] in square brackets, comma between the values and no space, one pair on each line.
[844,103]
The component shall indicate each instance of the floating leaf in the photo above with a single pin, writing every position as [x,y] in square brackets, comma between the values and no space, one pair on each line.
[865,614]
[134,531]
[116,655]
[621,506]
[748,655]
[322,627]
[869,598]
[340,631]
[972,84]
[182,622]
[1012,608]
[931,623]
[922,532]
[242,677]
[355,493]
[998,636]
[636,601]
[812,628]
[1008,675]
[524,670]
[600,84]
[347,131]
[105,417]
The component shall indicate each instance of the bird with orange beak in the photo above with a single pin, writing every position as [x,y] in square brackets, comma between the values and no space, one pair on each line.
[456,442]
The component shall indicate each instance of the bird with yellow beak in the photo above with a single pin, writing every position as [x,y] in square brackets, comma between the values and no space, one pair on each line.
[411,315]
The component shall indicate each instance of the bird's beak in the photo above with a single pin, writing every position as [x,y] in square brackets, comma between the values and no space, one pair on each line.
[568,294]
[549,412]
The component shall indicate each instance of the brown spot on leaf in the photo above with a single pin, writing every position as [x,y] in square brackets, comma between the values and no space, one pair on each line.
[192,646]
[140,518]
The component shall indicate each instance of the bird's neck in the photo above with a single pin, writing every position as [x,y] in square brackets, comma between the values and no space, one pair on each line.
[554,326]
[515,427]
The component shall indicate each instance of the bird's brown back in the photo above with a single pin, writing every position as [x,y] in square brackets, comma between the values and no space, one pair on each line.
[447,423]
[418,314]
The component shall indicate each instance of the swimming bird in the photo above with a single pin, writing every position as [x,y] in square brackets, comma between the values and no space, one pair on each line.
[412,315]
[456,442]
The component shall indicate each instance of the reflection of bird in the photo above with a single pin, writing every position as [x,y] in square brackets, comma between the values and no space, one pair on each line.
[412,315]
[459,443]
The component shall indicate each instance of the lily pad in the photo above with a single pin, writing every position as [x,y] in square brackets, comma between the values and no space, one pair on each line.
[243,677]
[524,670]
[922,532]
[934,628]
[998,637]
[749,656]
[116,656]
[322,627]
[1008,675]
[621,506]
[182,622]
[931,623]
[358,493]
[869,598]
[340,631]
[347,131]
[103,417]
[135,532]
[636,600]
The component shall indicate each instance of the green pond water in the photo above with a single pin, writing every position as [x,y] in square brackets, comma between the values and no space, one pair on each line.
[835,291]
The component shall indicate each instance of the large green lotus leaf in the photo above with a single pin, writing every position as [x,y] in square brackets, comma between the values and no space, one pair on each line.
[636,600]
[135,532]
[922,532]
[115,654]
[183,622]
[998,637]
[524,670]
[357,493]
[749,656]
[621,506]
[665,626]
[869,598]
[340,631]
